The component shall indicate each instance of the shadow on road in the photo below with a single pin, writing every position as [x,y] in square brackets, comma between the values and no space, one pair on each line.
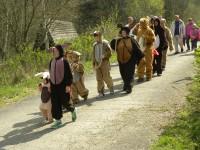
[24,132]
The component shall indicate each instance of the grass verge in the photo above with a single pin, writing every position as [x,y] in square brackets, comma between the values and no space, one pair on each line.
[184,132]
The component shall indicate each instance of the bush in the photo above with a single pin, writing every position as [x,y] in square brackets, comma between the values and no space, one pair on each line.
[184,133]
[22,66]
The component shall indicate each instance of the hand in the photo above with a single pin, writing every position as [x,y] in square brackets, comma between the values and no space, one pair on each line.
[68,89]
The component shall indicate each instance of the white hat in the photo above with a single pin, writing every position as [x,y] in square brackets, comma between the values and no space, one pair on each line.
[77,53]
[43,75]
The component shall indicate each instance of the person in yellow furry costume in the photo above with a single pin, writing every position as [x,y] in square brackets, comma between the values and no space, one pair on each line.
[145,38]
[78,86]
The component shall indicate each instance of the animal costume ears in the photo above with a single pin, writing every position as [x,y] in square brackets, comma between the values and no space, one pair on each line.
[43,75]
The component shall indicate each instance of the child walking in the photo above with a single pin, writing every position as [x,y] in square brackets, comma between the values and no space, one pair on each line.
[45,106]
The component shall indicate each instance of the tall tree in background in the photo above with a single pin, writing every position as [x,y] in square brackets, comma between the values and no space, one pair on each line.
[91,12]
[172,7]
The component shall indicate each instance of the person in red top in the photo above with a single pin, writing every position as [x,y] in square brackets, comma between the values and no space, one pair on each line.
[194,35]
[188,29]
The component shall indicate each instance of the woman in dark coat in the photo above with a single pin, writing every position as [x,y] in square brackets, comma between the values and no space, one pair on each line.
[159,32]
[61,80]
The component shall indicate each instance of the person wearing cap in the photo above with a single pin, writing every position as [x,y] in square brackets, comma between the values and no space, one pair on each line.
[61,80]
[145,38]
[45,105]
[178,33]
[128,55]
[78,85]
[101,64]
[188,30]
[169,42]
[194,35]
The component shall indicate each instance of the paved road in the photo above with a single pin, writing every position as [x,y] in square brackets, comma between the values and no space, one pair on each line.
[119,122]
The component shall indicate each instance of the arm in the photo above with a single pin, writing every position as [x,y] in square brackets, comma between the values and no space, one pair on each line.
[169,39]
[137,52]
[78,67]
[108,52]
[67,74]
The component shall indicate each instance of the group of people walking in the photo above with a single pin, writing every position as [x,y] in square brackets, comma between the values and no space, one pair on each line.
[143,45]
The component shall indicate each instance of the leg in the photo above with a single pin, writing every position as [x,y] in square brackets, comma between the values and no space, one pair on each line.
[149,67]
[56,104]
[82,91]
[49,114]
[188,42]
[100,83]
[159,61]
[123,75]
[129,74]
[105,69]
[141,68]
[180,41]
[164,58]
[74,94]
[176,44]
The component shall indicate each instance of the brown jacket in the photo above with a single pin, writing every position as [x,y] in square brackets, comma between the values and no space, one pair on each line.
[124,50]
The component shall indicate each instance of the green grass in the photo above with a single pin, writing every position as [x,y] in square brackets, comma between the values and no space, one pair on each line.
[11,94]
[184,132]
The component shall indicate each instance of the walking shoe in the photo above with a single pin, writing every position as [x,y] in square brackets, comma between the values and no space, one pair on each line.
[111,90]
[159,74]
[128,91]
[176,53]
[57,124]
[181,50]
[85,97]
[100,95]
[140,80]
[148,79]
[74,116]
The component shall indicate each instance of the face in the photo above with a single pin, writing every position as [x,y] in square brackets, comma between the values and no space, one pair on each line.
[176,18]
[75,58]
[162,23]
[156,23]
[124,34]
[55,53]
[97,38]
[130,20]
[45,81]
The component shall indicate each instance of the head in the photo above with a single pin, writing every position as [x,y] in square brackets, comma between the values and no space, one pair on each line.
[125,32]
[163,22]
[177,17]
[97,36]
[157,22]
[144,23]
[58,51]
[76,56]
[45,80]
[190,20]
[130,20]
[68,56]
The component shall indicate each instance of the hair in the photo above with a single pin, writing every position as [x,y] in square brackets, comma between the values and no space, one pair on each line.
[60,49]
[126,29]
